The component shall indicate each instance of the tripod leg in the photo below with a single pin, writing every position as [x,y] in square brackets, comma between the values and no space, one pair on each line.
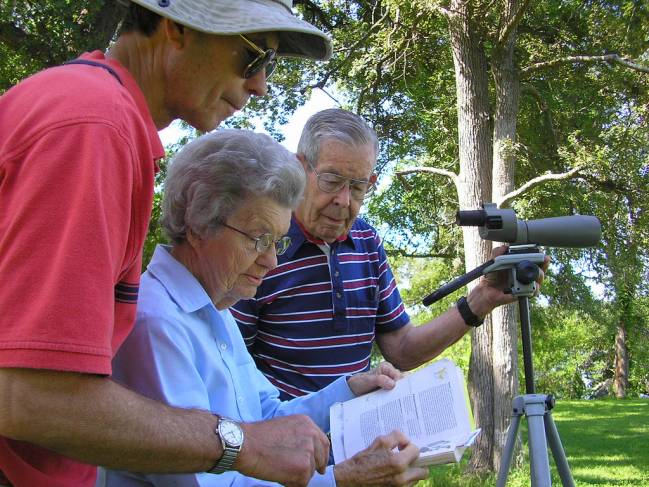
[510,443]
[557,451]
[539,460]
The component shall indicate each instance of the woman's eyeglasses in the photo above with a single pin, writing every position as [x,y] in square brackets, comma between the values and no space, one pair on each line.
[259,59]
[264,242]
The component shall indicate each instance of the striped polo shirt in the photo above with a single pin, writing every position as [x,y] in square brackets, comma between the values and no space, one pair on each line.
[315,316]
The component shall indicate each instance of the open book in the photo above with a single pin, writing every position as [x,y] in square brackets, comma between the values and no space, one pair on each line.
[430,406]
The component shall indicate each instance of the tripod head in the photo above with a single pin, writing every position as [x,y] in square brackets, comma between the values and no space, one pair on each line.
[523,263]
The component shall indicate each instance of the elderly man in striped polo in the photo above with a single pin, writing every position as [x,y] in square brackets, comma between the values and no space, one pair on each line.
[316,316]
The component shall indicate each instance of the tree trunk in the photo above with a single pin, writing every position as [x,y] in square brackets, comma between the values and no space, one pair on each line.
[504,319]
[621,378]
[475,155]
[626,278]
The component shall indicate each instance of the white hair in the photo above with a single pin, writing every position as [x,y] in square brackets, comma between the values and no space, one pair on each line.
[210,178]
[335,124]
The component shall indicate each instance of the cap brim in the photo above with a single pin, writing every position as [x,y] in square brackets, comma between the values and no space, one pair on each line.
[297,38]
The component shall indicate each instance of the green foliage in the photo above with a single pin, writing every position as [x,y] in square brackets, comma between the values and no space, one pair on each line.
[156,234]
[567,352]
[416,279]
[605,443]
[38,34]
[638,351]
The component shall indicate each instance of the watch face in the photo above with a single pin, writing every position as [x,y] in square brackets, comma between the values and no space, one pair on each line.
[231,433]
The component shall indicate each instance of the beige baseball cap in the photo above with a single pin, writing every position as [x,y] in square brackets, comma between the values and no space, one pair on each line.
[297,38]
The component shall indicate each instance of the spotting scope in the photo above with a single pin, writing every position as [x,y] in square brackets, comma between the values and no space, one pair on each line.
[501,225]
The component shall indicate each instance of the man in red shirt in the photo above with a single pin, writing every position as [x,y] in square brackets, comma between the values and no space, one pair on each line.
[78,147]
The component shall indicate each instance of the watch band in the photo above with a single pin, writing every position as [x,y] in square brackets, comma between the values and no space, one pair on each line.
[230,450]
[226,461]
[468,316]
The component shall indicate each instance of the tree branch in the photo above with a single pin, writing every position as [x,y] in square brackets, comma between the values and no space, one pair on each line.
[401,175]
[404,253]
[346,59]
[611,58]
[435,6]
[317,11]
[532,183]
[511,25]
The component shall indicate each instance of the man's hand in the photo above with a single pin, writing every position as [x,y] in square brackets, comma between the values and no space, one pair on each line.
[287,450]
[383,376]
[488,294]
[379,465]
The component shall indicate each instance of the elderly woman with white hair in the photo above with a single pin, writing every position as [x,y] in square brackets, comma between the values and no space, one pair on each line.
[227,206]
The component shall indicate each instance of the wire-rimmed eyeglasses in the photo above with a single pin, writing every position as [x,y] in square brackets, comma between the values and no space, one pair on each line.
[264,59]
[332,183]
[264,241]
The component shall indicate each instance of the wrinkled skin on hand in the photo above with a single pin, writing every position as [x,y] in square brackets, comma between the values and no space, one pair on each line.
[381,465]
[383,376]
[287,450]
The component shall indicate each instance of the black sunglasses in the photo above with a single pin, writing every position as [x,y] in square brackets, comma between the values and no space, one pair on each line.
[263,59]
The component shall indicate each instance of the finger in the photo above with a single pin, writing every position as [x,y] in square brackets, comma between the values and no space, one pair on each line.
[385,382]
[394,439]
[386,368]
[500,250]
[321,453]
[415,474]
[541,277]
[408,452]
[546,262]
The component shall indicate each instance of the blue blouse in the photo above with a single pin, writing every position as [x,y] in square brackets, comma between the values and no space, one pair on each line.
[186,353]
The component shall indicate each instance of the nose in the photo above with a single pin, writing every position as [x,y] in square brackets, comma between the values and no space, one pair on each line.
[343,196]
[256,85]
[268,259]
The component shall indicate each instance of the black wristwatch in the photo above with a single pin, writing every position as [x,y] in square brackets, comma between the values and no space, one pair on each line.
[231,436]
[468,316]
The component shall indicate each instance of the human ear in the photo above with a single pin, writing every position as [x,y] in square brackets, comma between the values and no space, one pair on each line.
[175,33]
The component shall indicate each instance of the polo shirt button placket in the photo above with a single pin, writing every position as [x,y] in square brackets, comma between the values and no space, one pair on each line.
[338,287]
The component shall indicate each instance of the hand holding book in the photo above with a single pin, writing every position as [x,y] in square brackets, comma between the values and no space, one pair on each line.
[428,406]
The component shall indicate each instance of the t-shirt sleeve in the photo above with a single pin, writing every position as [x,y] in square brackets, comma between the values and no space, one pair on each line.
[391,313]
[66,213]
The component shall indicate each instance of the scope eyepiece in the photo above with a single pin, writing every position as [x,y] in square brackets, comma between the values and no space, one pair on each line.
[470,218]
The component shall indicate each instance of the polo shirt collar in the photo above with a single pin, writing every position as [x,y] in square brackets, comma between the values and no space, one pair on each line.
[299,235]
[138,97]
[181,284]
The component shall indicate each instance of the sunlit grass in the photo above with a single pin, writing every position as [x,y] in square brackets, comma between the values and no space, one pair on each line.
[606,442]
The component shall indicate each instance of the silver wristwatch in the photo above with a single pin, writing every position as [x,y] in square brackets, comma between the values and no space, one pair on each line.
[231,436]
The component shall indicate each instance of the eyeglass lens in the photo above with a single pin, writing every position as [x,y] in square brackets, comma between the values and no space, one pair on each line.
[266,240]
[259,59]
[330,183]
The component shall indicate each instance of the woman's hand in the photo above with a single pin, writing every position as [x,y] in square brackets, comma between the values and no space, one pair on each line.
[384,376]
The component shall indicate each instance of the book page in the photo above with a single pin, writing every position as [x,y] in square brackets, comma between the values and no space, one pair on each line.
[429,406]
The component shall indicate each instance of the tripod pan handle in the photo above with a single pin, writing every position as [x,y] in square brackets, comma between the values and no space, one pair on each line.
[455,284]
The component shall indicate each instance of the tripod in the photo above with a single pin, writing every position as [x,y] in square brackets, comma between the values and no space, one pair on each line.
[522,263]
[537,408]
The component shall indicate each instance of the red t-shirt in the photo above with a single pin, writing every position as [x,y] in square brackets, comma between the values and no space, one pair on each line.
[77,166]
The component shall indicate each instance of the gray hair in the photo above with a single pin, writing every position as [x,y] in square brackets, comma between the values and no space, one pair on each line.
[336,124]
[210,178]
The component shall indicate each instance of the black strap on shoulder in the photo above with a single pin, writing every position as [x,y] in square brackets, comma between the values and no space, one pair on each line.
[99,65]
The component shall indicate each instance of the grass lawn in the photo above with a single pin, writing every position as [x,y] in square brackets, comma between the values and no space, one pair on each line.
[606,442]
